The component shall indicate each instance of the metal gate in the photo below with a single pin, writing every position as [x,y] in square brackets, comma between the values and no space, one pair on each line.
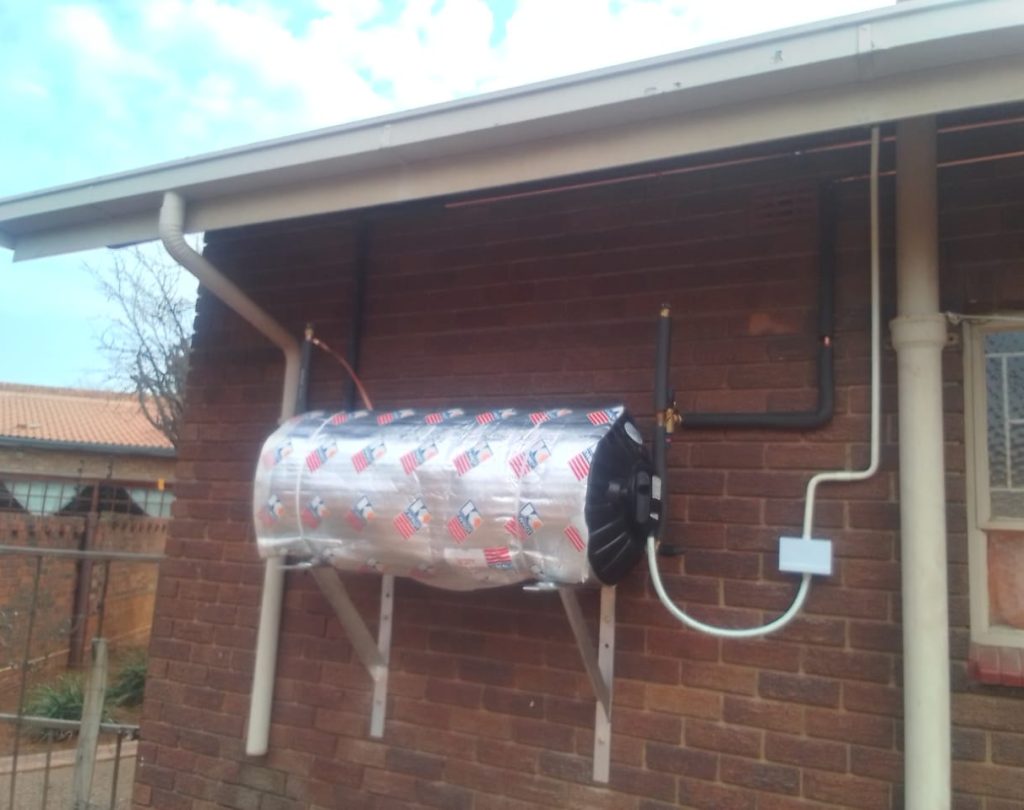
[97,772]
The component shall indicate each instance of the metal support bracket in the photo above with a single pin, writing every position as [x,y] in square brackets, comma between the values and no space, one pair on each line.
[374,653]
[600,667]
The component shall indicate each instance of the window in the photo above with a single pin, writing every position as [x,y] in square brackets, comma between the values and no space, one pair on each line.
[66,497]
[38,497]
[154,502]
[994,380]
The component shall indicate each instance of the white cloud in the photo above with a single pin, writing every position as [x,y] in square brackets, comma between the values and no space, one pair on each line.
[24,86]
[216,71]
[86,29]
[101,87]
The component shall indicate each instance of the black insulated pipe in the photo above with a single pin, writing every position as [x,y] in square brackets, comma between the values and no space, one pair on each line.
[305,355]
[822,413]
[662,403]
[361,258]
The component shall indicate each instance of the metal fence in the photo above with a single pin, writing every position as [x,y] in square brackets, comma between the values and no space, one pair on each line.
[96,773]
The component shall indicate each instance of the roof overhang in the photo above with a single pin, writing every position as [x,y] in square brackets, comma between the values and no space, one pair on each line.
[26,443]
[918,58]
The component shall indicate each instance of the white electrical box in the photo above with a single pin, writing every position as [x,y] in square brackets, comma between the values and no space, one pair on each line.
[805,555]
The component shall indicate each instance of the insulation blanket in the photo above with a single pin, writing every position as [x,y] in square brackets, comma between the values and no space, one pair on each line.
[458,499]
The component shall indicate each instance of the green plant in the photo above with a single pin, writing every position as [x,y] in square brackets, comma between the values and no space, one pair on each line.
[128,685]
[61,699]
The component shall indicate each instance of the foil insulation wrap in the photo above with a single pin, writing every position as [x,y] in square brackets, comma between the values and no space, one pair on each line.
[457,499]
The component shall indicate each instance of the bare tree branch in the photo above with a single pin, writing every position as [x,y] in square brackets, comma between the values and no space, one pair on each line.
[148,344]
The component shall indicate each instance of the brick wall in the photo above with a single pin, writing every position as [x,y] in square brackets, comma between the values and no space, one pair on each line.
[17,461]
[551,299]
[130,593]
[56,590]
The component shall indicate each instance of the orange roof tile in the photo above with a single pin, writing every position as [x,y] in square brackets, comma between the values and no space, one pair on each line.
[76,415]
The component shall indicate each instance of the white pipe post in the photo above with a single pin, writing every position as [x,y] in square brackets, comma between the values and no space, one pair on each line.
[171,229]
[919,335]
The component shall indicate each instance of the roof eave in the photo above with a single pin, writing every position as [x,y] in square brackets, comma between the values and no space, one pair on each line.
[849,72]
[28,443]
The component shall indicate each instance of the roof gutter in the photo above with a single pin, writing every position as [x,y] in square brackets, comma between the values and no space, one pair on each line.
[171,229]
[29,443]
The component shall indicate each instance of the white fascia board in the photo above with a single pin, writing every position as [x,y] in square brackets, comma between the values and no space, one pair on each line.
[921,93]
[450,148]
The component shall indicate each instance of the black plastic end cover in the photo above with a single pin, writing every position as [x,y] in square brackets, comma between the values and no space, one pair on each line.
[620,502]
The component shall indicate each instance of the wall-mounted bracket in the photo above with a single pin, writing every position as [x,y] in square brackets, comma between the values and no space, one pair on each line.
[600,665]
[374,653]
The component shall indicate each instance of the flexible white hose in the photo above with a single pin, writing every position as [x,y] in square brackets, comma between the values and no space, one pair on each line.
[820,478]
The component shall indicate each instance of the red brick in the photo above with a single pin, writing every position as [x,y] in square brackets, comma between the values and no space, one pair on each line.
[684,701]
[873,699]
[762,654]
[680,642]
[642,783]
[846,790]
[798,689]
[857,666]
[850,727]
[770,596]
[543,734]
[728,456]
[680,760]
[760,776]
[723,677]
[1008,749]
[564,767]
[835,601]
[386,783]
[986,712]
[413,763]
[814,630]
[707,796]
[805,752]
[645,725]
[876,636]
[877,763]
[542,791]
[764,714]
[726,739]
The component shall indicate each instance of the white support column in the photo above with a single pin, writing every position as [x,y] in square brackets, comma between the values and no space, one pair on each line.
[919,335]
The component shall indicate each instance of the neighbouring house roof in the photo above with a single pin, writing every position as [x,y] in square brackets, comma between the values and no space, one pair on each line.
[74,418]
[915,58]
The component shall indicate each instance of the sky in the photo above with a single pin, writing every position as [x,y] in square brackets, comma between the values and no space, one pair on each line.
[93,88]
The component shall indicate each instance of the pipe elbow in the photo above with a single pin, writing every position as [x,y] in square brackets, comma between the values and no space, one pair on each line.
[171,225]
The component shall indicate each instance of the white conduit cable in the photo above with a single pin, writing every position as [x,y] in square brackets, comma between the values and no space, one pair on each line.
[820,478]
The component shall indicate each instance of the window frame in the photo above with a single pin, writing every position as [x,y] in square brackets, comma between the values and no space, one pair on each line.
[979,518]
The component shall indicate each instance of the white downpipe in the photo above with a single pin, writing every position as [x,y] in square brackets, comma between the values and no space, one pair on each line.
[822,477]
[919,335]
[172,224]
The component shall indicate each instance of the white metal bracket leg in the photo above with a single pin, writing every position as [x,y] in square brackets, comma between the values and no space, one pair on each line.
[374,653]
[600,667]
[380,686]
